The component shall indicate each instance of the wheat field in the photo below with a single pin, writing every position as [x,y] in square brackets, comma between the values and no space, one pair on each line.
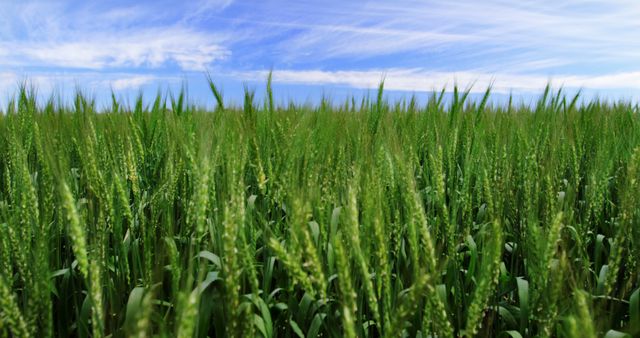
[363,218]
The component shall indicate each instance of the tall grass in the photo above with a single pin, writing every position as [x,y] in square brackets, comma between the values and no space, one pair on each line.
[357,220]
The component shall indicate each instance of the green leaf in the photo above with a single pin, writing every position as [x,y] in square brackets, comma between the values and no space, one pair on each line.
[314,329]
[507,316]
[83,320]
[598,250]
[482,212]
[305,306]
[211,277]
[441,289]
[602,278]
[315,230]
[473,251]
[265,314]
[268,273]
[335,219]
[273,294]
[251,202]
[523,296]
[616,334]
[296,328]
[259,323]
[210,256]
[281,306]
[510,333]
[134,308]
[634,311]
[60,272]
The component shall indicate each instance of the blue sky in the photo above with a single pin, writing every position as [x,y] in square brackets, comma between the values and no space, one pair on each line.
[315,47]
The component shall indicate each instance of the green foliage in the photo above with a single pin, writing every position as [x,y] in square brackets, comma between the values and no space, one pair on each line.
[457,218]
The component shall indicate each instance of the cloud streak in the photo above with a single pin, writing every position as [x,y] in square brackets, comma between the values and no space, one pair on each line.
[424,80]
[469,34]
[46,35]
[151,48]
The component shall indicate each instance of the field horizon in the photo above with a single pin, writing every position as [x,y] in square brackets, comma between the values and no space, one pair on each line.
[197,92]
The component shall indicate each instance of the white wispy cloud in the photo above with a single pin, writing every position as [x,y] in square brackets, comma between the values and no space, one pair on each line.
[150,47]
[469,33]
[425,80]
[49,35]
[131,82]
[424,45]
[200,9]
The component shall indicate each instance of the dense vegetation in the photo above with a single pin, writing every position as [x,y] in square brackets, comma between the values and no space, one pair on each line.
[358,219]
